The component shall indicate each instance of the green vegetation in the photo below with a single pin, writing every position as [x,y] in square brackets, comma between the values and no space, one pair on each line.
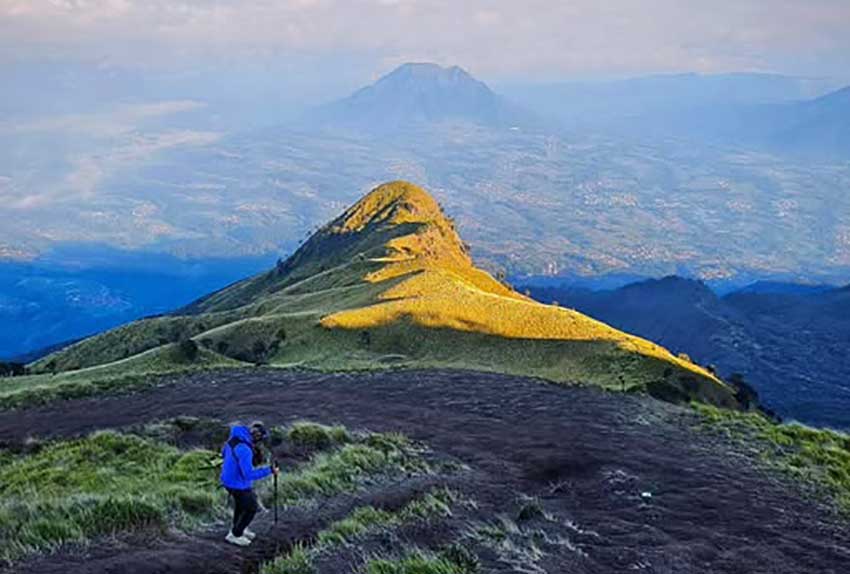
[362,521]
[207,431]
[342,470]
[136,372]
[520,546]
[433,504]
[420,562]
[109,482]
[387,284]
[71,491]
[316,436]
[297,561]
[530,509]
[814,457]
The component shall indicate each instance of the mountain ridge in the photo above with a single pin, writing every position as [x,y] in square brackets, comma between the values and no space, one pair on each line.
[389,282]
[787,341]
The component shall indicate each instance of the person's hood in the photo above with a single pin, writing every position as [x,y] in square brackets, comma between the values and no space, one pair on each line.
[241,433]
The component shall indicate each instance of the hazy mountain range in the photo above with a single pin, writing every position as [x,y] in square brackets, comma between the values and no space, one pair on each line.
[764,111]
[643,201]
[536,198]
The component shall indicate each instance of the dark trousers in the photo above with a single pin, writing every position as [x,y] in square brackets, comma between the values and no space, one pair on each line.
[244,509]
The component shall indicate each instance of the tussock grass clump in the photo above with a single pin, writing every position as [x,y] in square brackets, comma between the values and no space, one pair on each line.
[815,457]
[316,436]
[332,472]
[180,430]
[297,561]
[436,503]
[421,562]
[362,521]
[71,491]
[530,509]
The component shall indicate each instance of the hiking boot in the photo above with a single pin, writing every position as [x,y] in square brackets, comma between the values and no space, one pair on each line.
[249,534]
[237,540]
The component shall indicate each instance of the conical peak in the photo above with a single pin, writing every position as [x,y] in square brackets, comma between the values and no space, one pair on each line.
[392,203]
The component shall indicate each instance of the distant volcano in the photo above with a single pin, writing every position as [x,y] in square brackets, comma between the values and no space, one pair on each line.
[416,94]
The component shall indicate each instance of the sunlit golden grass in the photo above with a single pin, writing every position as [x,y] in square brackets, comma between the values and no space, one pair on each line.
[389,283]
[445,300]
[393,203]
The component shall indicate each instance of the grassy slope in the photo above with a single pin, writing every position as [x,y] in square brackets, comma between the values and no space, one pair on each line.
[819,457]
[136,371]
[390,282]
[72,491]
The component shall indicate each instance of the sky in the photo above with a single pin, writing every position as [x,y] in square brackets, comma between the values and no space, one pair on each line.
[94,89]
[543,40]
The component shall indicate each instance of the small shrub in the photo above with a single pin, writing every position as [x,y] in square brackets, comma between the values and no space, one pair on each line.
[315,436]
[465,559]
[297,561]
[13,369]
[365,338]
[419,562]
[530,509]
[361,520]
[259,351]
[116,514]
[388,442]
[435,503]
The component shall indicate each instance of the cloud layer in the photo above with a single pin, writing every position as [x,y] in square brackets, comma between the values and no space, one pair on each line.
[498,38]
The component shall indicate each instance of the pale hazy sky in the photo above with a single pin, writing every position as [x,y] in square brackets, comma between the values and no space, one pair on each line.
[497,39]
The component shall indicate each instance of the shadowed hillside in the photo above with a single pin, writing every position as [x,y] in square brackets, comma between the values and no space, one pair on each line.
[389,283]
[789,342]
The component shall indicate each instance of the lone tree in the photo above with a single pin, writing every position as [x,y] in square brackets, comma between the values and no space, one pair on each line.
[747,396]
[12,369]
[189,349]
[260,352]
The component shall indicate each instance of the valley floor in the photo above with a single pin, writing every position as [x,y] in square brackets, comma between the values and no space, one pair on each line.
[626,483]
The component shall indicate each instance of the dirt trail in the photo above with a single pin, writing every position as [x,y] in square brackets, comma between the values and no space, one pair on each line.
[591,456]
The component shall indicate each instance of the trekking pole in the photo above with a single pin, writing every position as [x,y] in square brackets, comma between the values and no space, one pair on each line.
[277,468]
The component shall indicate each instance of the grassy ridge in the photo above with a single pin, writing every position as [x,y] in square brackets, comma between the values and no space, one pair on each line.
[390,282]
[132,373]
[812,457]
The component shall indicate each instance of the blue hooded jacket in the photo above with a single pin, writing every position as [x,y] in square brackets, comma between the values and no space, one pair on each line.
[237,470]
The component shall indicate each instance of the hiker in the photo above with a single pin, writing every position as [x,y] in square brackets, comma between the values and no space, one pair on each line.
[237,475]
